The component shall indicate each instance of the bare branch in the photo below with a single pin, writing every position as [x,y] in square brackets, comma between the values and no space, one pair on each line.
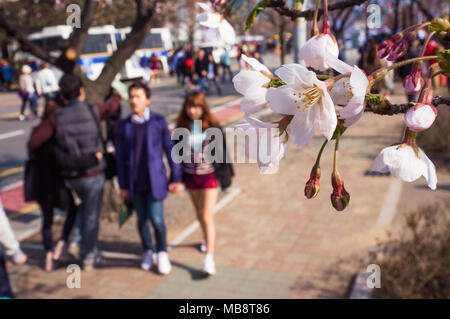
[403,108]
[13,30]
[139,30]
[281,7]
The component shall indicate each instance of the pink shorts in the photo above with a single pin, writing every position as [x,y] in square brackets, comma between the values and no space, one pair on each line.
[200,181]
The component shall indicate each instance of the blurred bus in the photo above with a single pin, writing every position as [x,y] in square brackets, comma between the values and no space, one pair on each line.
[159,42]
[101,43]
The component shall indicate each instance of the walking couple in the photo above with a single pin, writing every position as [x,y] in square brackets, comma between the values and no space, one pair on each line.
[142,138]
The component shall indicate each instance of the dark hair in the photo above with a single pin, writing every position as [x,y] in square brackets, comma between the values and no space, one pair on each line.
[70,85]
[196,98]
[140,85]
[50,107]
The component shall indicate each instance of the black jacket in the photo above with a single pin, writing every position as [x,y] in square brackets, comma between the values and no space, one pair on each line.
[48,183]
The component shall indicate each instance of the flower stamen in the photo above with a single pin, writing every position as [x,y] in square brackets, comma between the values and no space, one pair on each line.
[309,97]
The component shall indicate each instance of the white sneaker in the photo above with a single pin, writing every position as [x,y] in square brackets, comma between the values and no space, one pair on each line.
[209,265]
[147,260]
[164,265]
[203,248]
[22,117]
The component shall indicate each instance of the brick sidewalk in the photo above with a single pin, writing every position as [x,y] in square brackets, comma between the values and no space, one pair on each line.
[271,241]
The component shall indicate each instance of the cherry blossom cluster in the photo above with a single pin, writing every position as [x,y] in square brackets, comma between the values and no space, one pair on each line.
[307,101]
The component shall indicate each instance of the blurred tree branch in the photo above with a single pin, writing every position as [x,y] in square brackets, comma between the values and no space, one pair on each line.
[281,7]
[391,109]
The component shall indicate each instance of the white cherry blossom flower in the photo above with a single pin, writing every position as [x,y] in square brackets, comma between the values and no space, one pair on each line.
[305,97]
[211,19]
[316,50]
[250,83]
[350,93]
[402,162]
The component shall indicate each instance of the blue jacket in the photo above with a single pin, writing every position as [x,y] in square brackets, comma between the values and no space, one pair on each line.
[158,140]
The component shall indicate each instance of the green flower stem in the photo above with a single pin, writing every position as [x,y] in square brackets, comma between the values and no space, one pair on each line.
[314,29]
[379,74]
[336,148]
[319,155]
[422,53]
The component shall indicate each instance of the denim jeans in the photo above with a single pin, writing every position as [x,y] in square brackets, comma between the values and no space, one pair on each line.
[202,83]
[5,286]
[90,191]
[148,208]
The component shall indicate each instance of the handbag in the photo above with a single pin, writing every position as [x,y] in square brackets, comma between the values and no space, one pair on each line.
[110,158]
[29,191]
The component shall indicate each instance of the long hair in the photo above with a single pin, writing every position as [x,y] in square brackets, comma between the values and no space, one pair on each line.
[197,99]
[50,107]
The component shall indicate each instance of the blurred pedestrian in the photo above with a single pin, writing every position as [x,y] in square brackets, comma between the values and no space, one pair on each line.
[49,188]
[213,74]
[225,62]
[145,65]
[179,62]
[189,68]
[46,83]
[76,130]
[11,248]
[154,65]
[27,93]
[7,72]
[201,68]
[200,174]
[142,138]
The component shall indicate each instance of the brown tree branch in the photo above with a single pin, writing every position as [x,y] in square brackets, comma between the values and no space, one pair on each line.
[139,30]
[281,7]
[14,30]
[403,108]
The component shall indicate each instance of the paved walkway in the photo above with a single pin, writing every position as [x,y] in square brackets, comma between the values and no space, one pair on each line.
[271,241]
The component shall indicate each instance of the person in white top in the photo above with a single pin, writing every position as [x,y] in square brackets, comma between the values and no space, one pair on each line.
[46,83]
[10,247]
[27,92]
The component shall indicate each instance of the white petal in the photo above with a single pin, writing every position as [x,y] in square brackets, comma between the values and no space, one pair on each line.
[282,99]
[429,171]
[210,20]
[316,49]
[253,104]
[352,120]
[255,64]
[258,123]
[327,118]
[421,118]
[340,90]
[337,64]
[296,74]
[359,81]
[303,125]
[246,82]
[227,32]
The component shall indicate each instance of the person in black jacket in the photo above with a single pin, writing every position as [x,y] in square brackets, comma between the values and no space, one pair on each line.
[50,190]
[201,176]
[213,74]
[201,68]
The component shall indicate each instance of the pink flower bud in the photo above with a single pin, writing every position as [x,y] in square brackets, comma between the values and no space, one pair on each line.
[219,3]
[420,117]
[339,197]
[413,83]
[384,48]
[401,47]
[312,186]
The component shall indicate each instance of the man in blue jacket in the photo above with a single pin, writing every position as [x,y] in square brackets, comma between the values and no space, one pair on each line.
[142,138]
